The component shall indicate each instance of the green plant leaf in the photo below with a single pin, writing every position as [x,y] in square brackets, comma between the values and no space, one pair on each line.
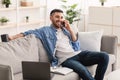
[64,1]
[6,2]
[3,19]
[71,11]
[102,0]
[64,7]
[73,6]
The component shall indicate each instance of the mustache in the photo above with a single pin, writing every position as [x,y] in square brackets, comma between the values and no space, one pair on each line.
[61,22]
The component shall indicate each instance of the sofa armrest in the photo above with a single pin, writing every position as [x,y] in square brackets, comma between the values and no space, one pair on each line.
[5,72]
[109,44]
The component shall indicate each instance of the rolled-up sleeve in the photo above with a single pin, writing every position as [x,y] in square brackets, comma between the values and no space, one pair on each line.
[30,32]
[76,45]
[36,32]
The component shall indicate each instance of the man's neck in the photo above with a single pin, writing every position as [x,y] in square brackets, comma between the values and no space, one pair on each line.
[58,29]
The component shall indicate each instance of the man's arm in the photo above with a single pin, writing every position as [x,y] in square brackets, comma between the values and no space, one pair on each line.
[36,32]
[16,36]
[68,27]
[73,36]
[75,42]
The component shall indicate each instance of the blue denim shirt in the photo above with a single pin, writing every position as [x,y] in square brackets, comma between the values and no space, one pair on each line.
[47,35]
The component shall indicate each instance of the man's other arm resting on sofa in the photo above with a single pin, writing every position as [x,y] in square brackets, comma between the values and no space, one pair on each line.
[16,36]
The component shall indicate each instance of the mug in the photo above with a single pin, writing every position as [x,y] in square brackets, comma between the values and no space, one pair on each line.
[4,38]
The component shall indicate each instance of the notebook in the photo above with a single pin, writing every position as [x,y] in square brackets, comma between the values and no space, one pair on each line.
[35,70]
[61,70]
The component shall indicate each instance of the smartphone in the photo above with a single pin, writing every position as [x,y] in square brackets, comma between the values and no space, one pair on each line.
[63,24]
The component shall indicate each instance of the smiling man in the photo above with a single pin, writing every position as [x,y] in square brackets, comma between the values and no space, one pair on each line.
[61,45]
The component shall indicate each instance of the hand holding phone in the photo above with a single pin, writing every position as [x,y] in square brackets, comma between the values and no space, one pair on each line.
[63,24]
[66,24]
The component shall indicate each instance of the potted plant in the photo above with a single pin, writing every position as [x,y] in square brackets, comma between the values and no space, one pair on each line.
[3,20]
[72,13]
[102,2]
[6,3]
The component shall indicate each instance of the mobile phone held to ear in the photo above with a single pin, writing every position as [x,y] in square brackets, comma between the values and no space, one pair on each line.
[63,24]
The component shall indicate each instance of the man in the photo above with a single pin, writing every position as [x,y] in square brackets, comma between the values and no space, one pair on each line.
[61,44]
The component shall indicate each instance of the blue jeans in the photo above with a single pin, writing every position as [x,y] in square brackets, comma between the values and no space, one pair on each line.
[87,58]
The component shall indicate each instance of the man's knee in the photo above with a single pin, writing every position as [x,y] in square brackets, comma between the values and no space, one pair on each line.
[105,56]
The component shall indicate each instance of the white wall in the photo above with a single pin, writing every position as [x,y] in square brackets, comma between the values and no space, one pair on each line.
[16,15]
[56,4]
[51,5]
[83,4]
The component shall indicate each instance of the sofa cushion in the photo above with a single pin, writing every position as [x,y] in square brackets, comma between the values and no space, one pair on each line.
[112,59]
[114,75]
[15,51]
[43,57]
[90,40]
[70,76]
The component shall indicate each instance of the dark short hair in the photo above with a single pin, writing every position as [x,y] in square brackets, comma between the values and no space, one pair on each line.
[56,10]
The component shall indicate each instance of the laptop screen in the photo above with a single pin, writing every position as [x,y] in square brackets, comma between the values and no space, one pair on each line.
[36,70]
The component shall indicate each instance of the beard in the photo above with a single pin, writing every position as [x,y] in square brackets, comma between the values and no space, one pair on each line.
[57,24]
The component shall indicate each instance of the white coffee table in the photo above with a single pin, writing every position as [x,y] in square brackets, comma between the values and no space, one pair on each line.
[115,75]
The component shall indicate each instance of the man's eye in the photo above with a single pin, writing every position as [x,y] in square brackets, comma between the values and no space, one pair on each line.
[61,17]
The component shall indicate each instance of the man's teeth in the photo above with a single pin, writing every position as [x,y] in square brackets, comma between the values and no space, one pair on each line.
[59,23]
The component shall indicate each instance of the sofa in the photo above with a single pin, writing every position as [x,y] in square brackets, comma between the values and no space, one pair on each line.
[29,48]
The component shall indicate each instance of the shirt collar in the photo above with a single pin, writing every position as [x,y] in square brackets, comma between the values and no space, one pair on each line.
[53,28]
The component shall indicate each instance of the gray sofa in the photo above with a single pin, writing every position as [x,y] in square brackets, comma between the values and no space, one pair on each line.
[30,48]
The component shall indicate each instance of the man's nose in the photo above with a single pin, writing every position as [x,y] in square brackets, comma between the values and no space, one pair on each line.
[61,20]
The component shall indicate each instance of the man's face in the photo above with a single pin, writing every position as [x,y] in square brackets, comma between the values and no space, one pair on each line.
[56,19]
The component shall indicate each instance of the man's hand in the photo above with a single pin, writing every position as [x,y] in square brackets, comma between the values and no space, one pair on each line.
[16,36]
[10,37]
[67,25]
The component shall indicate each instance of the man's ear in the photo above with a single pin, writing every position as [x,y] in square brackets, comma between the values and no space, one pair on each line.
[50,17]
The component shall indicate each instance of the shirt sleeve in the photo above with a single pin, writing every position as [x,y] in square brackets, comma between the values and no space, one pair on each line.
[76,45]
[36,32]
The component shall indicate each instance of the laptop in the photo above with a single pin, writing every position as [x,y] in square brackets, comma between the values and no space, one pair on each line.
[35,70]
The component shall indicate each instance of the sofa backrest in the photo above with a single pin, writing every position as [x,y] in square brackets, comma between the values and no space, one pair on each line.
[108,44]
[42,52]
[15,51]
